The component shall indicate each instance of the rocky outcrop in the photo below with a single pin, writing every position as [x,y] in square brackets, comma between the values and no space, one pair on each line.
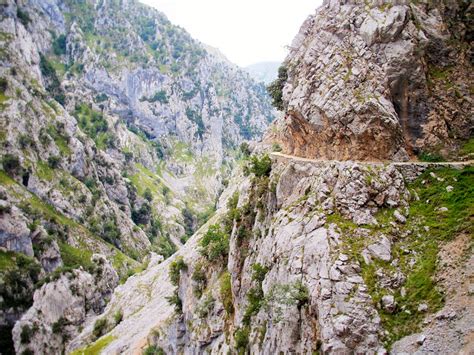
[317,261]
[62,307]
[378,80]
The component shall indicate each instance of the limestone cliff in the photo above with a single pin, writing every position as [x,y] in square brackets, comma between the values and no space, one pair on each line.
[378,80]
[117,132]
[308,256]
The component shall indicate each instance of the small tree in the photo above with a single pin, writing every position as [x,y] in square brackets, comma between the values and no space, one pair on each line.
[100,326]
[215,243]
[53,162]
[261,166]
[11,164]
[148,195]
[175,270]
[275,89]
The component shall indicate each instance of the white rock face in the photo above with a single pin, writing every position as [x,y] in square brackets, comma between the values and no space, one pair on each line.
[14,232]
[62,307]
[362,82]
[312,289]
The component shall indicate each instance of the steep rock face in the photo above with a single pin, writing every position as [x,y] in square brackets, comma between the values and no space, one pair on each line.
[117,130]
[321,257]
[378,80]
[60,307]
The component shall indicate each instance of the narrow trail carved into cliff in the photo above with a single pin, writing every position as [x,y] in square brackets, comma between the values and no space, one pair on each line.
[420,163]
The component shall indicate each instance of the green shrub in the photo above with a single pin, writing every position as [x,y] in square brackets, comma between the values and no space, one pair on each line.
[276,147]
[118,316]
[245,149]
[166,247]
[26,334]
[215,243]
[199,277]
[54,85]
[196,118]
[255,299]
[159,96]
[11,164]
[142,215]
[188,220]
[110,232]
[241,338]
[94,124]
[25,141]
[23,17]
[261,166]
[100,327]
[205,306]
[175,301]
[255,296]
[3,85]
[59,325]
[226,292]
[259,272]
[148,195]
[154,350]
[156,228]
[300,294]
[59,45]
[101,98]
[53,162]
[275,89]
[233,213]
[431,157]
[175,269]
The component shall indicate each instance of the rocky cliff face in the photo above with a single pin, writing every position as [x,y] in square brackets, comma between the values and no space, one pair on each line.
[318,256]
[115,131]
[62,306]
[118,131]
[311,256]
[374,80]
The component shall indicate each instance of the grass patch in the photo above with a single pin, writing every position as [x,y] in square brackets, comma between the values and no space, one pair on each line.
[61,141]
[6,180]
[180,151]
[44,172]
[145,179]
[96,347]
[423,246]
[7,260]
[468,147]
[75,257]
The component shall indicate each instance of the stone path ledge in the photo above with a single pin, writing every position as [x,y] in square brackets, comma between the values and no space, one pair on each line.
[278,155]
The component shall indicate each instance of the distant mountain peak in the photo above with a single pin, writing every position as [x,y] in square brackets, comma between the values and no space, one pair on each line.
[264,71]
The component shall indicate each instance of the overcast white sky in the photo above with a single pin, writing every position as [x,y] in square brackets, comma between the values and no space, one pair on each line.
[246,31]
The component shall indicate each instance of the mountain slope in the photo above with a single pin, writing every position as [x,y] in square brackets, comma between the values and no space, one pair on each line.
[118,131]
[324,256]
[309,256]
